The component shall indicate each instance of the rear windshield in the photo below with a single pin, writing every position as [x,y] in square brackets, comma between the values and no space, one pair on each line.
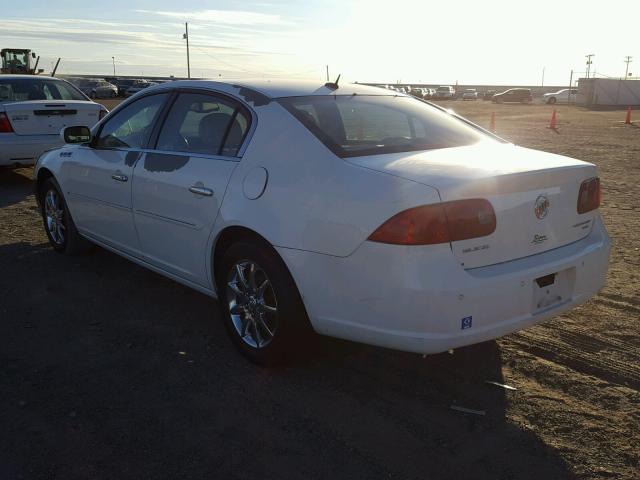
[23,89]
[359,125]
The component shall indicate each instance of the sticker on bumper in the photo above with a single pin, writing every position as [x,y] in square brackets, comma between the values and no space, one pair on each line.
[466,323]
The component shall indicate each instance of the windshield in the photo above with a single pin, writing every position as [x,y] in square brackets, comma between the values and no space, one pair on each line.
[23,89]
[359,125]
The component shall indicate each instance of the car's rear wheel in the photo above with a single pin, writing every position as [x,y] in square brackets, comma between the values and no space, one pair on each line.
[58,224]
[261,306]
[552,101]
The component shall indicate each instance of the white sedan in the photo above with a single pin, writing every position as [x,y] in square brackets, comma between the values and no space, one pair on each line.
[337,209]
[33,110]
[565,95]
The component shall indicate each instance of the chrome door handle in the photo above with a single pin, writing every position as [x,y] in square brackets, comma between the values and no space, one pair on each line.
[207,192]
[119,177]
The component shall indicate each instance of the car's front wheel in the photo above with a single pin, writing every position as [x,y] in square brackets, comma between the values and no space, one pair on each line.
[261,306]
[552,101]
[58,224]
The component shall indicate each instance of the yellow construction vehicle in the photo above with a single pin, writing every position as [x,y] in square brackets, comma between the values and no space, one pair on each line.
[20,61]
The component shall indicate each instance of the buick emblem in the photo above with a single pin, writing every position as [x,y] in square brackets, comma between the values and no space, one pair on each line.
[542,207]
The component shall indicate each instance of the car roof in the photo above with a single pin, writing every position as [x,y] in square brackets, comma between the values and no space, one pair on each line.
[282,88]
[32,77]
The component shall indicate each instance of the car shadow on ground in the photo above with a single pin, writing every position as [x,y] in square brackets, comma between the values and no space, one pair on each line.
[111,371]
[15,185]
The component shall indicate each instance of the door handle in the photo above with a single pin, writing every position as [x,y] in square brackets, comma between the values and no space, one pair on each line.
[119,177]
[207,192]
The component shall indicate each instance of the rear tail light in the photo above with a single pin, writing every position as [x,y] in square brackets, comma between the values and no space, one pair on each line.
[103,113]
[5,125]
[589,195]
[438,223]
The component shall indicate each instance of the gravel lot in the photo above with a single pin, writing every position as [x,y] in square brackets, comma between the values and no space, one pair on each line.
[109,371]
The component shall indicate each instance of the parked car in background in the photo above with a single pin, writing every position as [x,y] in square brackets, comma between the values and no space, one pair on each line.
[566,95]
[136,87]
[470,94]
[513,95]
[488,95]
[124,83]
[417,92]
[97,88]
[445,91]
[33,110]
[429,93]
[346,210]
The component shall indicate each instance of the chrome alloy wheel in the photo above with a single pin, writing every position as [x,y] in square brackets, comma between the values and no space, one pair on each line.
[252,304]
[54,213]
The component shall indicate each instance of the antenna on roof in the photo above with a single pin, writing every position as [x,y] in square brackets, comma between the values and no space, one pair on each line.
[333,85]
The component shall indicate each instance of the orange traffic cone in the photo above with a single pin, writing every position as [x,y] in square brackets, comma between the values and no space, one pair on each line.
[628,119]
[553,124]
[492,125]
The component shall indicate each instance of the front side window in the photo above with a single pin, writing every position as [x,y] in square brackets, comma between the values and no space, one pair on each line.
[204,124]
[359,125]
[131,126]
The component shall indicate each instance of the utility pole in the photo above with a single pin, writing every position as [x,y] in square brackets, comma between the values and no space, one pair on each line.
[542,85]
[185,36]
[570,86]
[627,60]
[589,62]
[327,73]
[113,59]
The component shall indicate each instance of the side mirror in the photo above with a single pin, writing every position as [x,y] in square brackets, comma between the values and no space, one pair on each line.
[79,134]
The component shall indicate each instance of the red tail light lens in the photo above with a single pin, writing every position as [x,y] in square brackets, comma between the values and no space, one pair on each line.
[589,195]
[438,223]
[5,125]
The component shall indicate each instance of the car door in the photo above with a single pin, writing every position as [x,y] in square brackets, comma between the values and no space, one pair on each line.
[99,176]
[178,187]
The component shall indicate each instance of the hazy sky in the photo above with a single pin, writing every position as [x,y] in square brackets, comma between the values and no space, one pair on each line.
[491,41]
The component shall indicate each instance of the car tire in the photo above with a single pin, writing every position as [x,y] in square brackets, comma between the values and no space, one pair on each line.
[58,223]
[113,94]
[552,101]
[261,307]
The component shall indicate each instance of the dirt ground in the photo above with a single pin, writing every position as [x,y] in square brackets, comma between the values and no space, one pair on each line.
[110,371]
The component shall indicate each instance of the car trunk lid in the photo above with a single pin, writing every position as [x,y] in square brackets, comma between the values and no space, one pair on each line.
[48,117]
[534,195]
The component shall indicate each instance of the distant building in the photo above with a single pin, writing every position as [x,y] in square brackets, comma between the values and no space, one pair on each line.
[608,92]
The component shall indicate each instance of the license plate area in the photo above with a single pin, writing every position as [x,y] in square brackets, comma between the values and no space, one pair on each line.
[553,289]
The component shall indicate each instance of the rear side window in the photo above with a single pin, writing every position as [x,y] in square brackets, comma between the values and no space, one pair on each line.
[204,124]
[360,125]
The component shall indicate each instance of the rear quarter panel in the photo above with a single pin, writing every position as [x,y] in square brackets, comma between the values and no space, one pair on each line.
[314,200]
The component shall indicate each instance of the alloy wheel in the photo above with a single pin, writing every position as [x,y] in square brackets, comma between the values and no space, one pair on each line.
[252,304]
[54,213]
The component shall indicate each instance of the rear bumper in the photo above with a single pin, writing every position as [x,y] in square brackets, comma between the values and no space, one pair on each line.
[25,149]
[419,299]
